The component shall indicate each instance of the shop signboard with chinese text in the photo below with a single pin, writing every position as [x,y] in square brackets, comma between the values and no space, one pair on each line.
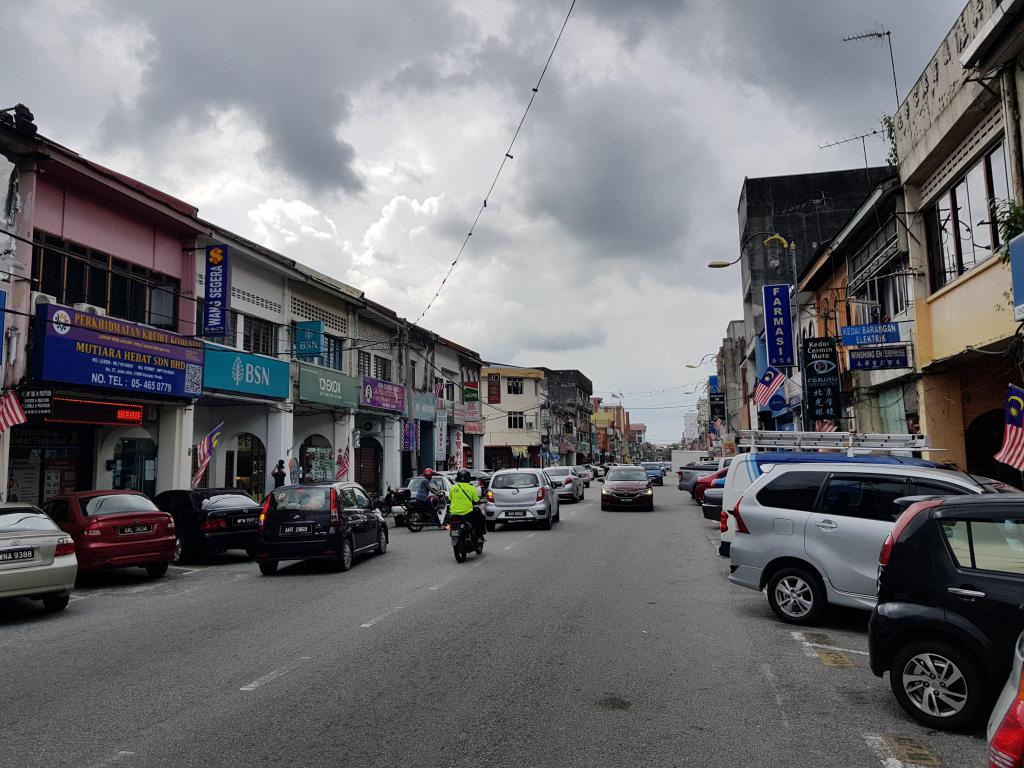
[81,348]
[821,374]
[778,326]
[879,359]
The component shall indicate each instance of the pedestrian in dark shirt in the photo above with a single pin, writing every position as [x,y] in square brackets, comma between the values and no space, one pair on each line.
[279,474]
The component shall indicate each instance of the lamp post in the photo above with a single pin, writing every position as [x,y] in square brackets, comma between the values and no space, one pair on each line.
[790,248]
[703,361]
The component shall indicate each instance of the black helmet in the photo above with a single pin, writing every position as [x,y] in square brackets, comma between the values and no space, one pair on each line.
[463,476]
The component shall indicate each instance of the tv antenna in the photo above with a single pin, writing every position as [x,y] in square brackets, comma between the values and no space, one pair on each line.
[879,34]
[863,139]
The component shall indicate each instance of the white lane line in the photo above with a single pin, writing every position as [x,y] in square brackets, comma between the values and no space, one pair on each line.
[809,647]
[439,585]
[882,751]
[510,546]
[118,757]
[261,681]
[380,618]
[531,535]
[773,683]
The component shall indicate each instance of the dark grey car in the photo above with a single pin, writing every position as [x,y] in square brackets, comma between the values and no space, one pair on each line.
[692,472]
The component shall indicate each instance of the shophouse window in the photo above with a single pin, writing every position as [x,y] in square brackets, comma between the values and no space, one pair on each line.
[449,390]
[412,373]
[259,336]
[364,368]
[332,356]
[381,368]
[961,224]
[516,420]
[228,339]
[514,385]
[75,274]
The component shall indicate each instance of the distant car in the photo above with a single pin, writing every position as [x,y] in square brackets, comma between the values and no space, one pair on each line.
[950,590]
[1006,726]
[568,484]
[692,472]
[521,496]
[480,478]
[666,467]
[627,487]
[597,469]
[115,529]
[211,520]
[711,506]
[326,521]
[654,471]
[586,473]
[37,559]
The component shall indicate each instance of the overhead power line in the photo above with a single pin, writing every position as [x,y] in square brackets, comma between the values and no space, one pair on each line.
[501,166]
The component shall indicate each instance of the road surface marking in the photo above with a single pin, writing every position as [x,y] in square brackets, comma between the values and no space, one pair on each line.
[912,751]
[773,683]
[270,676]
[118,757]
[812,649]
[380,618]
[531,535]
[440,584]
[834,659]
[510,546]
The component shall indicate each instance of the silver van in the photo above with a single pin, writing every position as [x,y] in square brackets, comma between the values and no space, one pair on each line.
[521,496]
[811,533]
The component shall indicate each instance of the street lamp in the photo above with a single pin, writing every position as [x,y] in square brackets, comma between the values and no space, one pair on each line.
[770,236]
[704,360]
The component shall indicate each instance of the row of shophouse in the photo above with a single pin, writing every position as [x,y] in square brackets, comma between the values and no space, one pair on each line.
[902,291]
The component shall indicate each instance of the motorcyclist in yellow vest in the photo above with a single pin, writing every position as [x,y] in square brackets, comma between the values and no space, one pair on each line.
[463,499]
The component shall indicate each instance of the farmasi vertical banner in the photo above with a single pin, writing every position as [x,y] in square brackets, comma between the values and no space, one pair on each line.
[778,326]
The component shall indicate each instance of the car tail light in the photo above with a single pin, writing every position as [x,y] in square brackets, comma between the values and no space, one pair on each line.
[901,525]
[92,529]
[723,524]
[741,527]
[1006,750]
[170,523]
[335,517]
[490,496]
[64,547]
[542,494]
[263,512]
[213,525]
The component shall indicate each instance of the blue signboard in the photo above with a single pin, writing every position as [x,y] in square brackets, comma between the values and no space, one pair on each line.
[1017,275]
[217,302]
[777,402]
[3,321]
[778,326]
[870,335]
[232,371]
[81,348]
[878,359]
[713,384]
[309,339]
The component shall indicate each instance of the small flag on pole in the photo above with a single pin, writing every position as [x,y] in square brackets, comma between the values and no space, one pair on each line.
[204,452]
[768,385]
[1012,452]
[343,465]
[716,425]
[11,412]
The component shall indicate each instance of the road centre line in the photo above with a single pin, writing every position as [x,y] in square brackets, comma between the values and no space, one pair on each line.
[531,535]
[439,584]
[270,676]
[380,618]
[810,648]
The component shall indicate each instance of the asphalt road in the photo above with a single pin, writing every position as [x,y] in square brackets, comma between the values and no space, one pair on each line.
[613,640]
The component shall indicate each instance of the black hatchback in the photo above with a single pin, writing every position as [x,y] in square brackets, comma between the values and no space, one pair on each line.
[210,520]
[329,521]
[950,606]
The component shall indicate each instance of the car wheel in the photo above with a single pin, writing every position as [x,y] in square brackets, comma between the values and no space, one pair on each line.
[399,521]
[558,514]
[490,526]
[55,603]
[382,541]
[250,551]
[347,555]
[796,595]
[180,553]
[268,567]
[583,495]
[940,685]
[156,570]
[546,524]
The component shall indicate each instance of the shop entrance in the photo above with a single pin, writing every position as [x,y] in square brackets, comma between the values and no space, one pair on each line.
[48,461]
[135,465]
[369,464]
[247,466]
[983,439]
[315,459]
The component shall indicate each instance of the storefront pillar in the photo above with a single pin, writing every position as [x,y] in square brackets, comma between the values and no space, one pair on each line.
[5,455]
[174,448]
[392,452]
[280,436]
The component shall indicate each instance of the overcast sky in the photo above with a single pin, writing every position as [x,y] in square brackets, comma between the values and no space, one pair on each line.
[360,137]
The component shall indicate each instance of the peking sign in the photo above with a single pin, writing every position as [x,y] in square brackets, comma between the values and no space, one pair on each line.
[778,326]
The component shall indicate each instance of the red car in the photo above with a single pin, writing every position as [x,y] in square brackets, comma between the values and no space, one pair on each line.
[703,483]
[115,529]
[627,486]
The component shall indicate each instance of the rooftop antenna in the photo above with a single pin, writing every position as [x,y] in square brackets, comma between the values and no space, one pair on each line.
[862,138]
[878,34]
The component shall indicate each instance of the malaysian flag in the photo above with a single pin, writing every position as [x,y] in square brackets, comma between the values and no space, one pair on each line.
[343,465]
[1012,452]
[204,452]
[825,426]
[716,425]
[768,385]
[11,412]
[438,387]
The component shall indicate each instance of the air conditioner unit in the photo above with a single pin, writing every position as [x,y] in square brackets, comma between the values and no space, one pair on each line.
[90,309]
[372,428]
[39,299]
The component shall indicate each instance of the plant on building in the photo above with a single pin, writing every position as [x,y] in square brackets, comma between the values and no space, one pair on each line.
[1010,223]
[892,159]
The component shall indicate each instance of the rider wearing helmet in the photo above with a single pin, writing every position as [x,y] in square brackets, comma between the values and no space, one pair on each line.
[425,492]
[463,499]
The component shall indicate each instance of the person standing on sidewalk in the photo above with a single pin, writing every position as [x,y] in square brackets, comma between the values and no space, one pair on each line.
[279,474]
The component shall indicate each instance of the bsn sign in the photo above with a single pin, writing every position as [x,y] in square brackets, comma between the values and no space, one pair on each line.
[250,373]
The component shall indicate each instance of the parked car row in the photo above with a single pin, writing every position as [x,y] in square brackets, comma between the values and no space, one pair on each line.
[937,556]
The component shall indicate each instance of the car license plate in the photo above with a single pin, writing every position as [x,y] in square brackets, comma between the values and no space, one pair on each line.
[516,513]
[627,499]
[295,530]
[245,521]
[16,554]
[134,530]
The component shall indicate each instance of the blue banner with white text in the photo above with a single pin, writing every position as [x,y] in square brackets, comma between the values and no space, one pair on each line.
[778,326]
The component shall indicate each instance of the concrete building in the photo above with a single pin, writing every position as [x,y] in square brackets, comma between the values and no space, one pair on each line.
[516,415]
[732,379]
[569,392]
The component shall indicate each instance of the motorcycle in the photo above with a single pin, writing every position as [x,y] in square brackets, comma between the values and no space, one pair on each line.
[464,540]
[417,516]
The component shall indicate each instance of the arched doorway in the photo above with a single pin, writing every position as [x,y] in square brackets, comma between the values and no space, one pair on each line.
[369,464]
[135,465]
[250,465]
[315,459]
[983,439]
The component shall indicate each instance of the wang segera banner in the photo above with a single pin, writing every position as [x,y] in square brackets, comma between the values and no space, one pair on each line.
[778,326]
[217,301]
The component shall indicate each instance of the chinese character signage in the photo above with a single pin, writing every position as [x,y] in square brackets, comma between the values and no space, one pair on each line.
[870,335]
[456,450]
[217,302]
[376,393]
[778,326]
[716,402]
[309,339]
[493,388]
[879,359]
[821,376]
[81,348]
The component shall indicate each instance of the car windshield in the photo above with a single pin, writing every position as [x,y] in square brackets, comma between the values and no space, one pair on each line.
[627,474]
[26,519]
[650,465]
[557,471]
[94,506]
[301,497]
[222,500]
[515,480]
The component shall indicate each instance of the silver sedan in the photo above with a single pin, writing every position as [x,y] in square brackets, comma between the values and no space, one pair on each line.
[37,559]
[568,484]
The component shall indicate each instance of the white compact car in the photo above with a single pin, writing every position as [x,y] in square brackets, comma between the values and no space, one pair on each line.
[37,559]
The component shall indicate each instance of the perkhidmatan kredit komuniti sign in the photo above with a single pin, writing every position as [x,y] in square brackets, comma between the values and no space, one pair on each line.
[778,326]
